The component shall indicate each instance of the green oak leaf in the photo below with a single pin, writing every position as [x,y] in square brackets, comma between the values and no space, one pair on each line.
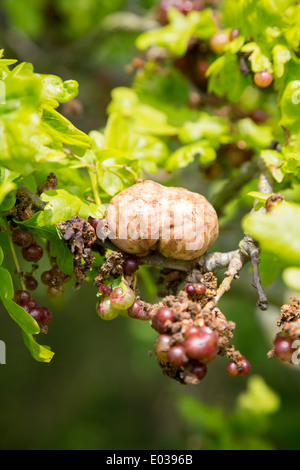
[6,284]
[21,317]
[281,55]
[222,73]
[62,130]
[259,398]
[26,322]
[58,248]
[176,35]
[186,155]
[39,353]
[258,60]
[291,277]
[61,206]
[277,231]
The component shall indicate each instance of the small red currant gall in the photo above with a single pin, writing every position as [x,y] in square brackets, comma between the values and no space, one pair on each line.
[46,278]
[232,369]
[263,79]
[22,297]
[32,253]
[55,291]
[162,315]
[22,238]
[130,265]
[218,42]
[46,316]
[200,288]
[283,349]
[190,289]
[246,366]
[192,331]
[30,282]
[161,347]
[136,311]
[176,356]
[234,34]
[95,222]
[204,346]
[105,290]
[199,370]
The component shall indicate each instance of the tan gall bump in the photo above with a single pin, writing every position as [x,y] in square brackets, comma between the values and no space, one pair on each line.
[176,222]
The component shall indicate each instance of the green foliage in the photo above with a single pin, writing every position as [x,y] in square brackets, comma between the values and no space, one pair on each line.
[268,40]
[79,17]
[223,72]
[176,35]
[153,125]
[291,277]
[243,429]
[61,206]
[277,232]
[58,248]
[28,325]
[32,131]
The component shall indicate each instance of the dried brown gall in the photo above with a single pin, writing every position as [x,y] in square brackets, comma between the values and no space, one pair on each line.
[147,216]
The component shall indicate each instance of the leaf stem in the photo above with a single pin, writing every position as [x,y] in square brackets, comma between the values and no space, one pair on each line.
[14,255]
[93,178]
[127,168]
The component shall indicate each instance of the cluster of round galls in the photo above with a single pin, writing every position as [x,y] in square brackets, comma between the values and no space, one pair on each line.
[218,43]
[195,290]
[197,347]
[41,315]
[120,300]
[54,279]
[31,252]
[240,367]
[114,301]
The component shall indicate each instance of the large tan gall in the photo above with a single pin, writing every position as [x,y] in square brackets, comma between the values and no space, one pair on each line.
[176,222]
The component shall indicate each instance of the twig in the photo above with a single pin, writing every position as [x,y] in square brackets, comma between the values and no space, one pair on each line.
[210,262]
[15,258]
[128,21]
[236,264]
[93,178]
[265,183]
[250,249]
[232,188]
[37,203]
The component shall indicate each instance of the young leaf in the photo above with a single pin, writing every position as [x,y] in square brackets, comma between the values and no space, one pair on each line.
[291,277]
[281,55]
[61,206]
[62,131]
[176,35]
[38,352]
[58,248]
[277,231]
[21,317]
[186,155]
[6,284]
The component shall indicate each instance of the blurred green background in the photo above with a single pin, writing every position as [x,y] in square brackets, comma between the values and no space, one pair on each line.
[103,390]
